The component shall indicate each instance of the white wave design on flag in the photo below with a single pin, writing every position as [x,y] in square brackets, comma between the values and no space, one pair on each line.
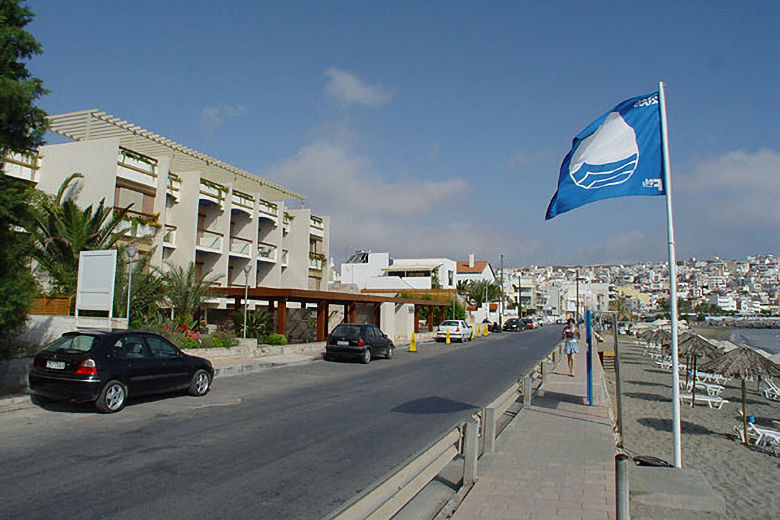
[593,176]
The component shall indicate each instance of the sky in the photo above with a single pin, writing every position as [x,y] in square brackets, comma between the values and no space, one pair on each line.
[437,129]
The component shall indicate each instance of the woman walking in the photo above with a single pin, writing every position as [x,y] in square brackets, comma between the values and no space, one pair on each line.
[570,334]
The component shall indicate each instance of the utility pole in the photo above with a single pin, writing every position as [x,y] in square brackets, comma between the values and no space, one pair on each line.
[577,276]
[519,292]
[501,303]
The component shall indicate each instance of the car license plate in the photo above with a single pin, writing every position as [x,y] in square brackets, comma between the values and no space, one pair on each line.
[342,343]
[56,365]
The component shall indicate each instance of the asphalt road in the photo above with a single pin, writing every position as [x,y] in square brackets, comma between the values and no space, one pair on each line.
[294,442]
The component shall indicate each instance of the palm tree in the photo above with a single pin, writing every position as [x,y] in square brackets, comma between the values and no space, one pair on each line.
[619,306]
[476,291]
[186,291]
[148,291]
[60,230]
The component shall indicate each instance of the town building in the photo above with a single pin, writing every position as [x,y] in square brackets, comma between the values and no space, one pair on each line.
[236,227]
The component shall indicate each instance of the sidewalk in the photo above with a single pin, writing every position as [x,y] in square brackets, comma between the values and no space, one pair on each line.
[555,460]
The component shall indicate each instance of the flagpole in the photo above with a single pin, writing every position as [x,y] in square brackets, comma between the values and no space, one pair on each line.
[672,280]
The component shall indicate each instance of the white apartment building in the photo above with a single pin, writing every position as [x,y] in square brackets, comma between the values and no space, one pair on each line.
[186,205]
[377,271]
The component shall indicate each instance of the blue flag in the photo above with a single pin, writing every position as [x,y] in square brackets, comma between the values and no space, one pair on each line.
[617,155]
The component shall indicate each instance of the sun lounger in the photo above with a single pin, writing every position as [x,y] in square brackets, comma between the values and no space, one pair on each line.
[706,377]
[771,390]
[712,402]
[710,389]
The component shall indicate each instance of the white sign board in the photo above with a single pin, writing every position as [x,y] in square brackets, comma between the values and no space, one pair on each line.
[95,288]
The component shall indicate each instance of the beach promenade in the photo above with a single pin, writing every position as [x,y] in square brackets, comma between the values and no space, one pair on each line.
[555,460]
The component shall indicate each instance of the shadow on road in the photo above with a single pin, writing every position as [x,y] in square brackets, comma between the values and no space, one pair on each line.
[433,404]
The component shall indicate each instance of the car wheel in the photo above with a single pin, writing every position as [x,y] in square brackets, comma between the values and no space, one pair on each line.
[112,398]
[366,358]
[389,352]
[200,384]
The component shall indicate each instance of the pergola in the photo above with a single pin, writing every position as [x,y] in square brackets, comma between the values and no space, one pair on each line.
[278,299]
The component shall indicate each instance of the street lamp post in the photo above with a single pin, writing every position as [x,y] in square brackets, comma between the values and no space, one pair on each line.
[130,252]
[577,275]
[247,268]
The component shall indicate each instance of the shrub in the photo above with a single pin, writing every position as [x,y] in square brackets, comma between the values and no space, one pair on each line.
[276,339]
[223,340]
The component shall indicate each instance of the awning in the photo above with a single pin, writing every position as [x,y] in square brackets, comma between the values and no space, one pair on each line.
[400,268]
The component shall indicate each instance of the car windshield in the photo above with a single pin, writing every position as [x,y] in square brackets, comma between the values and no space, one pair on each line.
[347,332]
[73,343]
[450,323]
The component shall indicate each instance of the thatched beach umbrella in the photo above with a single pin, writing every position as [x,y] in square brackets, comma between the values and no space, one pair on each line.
[743,362]
[694,346]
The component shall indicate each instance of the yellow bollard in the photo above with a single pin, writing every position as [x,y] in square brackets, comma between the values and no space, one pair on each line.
[487,329]
[412,344]
[479,330]
[447,341]
[472,333]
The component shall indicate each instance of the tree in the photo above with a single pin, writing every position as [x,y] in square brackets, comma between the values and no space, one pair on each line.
[17,285]
[61,229]
[22,124]
[21,130]
[620,307]
[147,297]
[476,291]
[186,292]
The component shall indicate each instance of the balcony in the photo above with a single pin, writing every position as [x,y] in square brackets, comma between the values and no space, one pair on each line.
[268,210]
[316,227]
[22,166]
[174,186]
[241,247]
[316,261]
[242,202]
[285,254]
[139,225]
[266,253]
[212,193]
[209,241]
[136,168]
[286,222]
[169,236]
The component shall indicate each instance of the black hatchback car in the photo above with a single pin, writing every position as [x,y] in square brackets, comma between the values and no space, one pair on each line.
[356,341]
[514,324]
[108,367]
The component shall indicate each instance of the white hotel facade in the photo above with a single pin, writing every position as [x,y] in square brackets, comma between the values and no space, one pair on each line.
[186,205]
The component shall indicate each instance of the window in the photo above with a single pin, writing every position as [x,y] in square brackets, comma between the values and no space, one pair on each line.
[160,347]
[130,347]
[450,276]
[74,343]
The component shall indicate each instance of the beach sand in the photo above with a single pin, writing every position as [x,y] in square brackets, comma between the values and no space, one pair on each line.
[747,479]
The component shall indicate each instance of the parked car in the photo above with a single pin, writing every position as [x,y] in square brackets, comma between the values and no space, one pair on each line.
[529,323]
[514,324]
[459,330]
[358,341]
[109,367]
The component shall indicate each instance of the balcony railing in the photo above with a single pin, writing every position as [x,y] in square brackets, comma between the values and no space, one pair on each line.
[136,167]
[210,240]
[213,192]
[268,209]
[241,246]
[316,261]
[243,202]
[174,186]
[285,254]
[140,225]
[316,226]
[286,221]
[266,252]
[22,166]
[169,236]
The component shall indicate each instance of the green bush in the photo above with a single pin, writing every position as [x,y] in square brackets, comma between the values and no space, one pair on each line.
[276,339]
[221,340]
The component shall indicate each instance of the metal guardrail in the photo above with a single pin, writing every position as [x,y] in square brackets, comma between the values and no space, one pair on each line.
[389,495]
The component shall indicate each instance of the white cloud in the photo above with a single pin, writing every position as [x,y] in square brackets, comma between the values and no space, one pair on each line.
[349,89]
[738,189]
[339,180]
[214,117]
